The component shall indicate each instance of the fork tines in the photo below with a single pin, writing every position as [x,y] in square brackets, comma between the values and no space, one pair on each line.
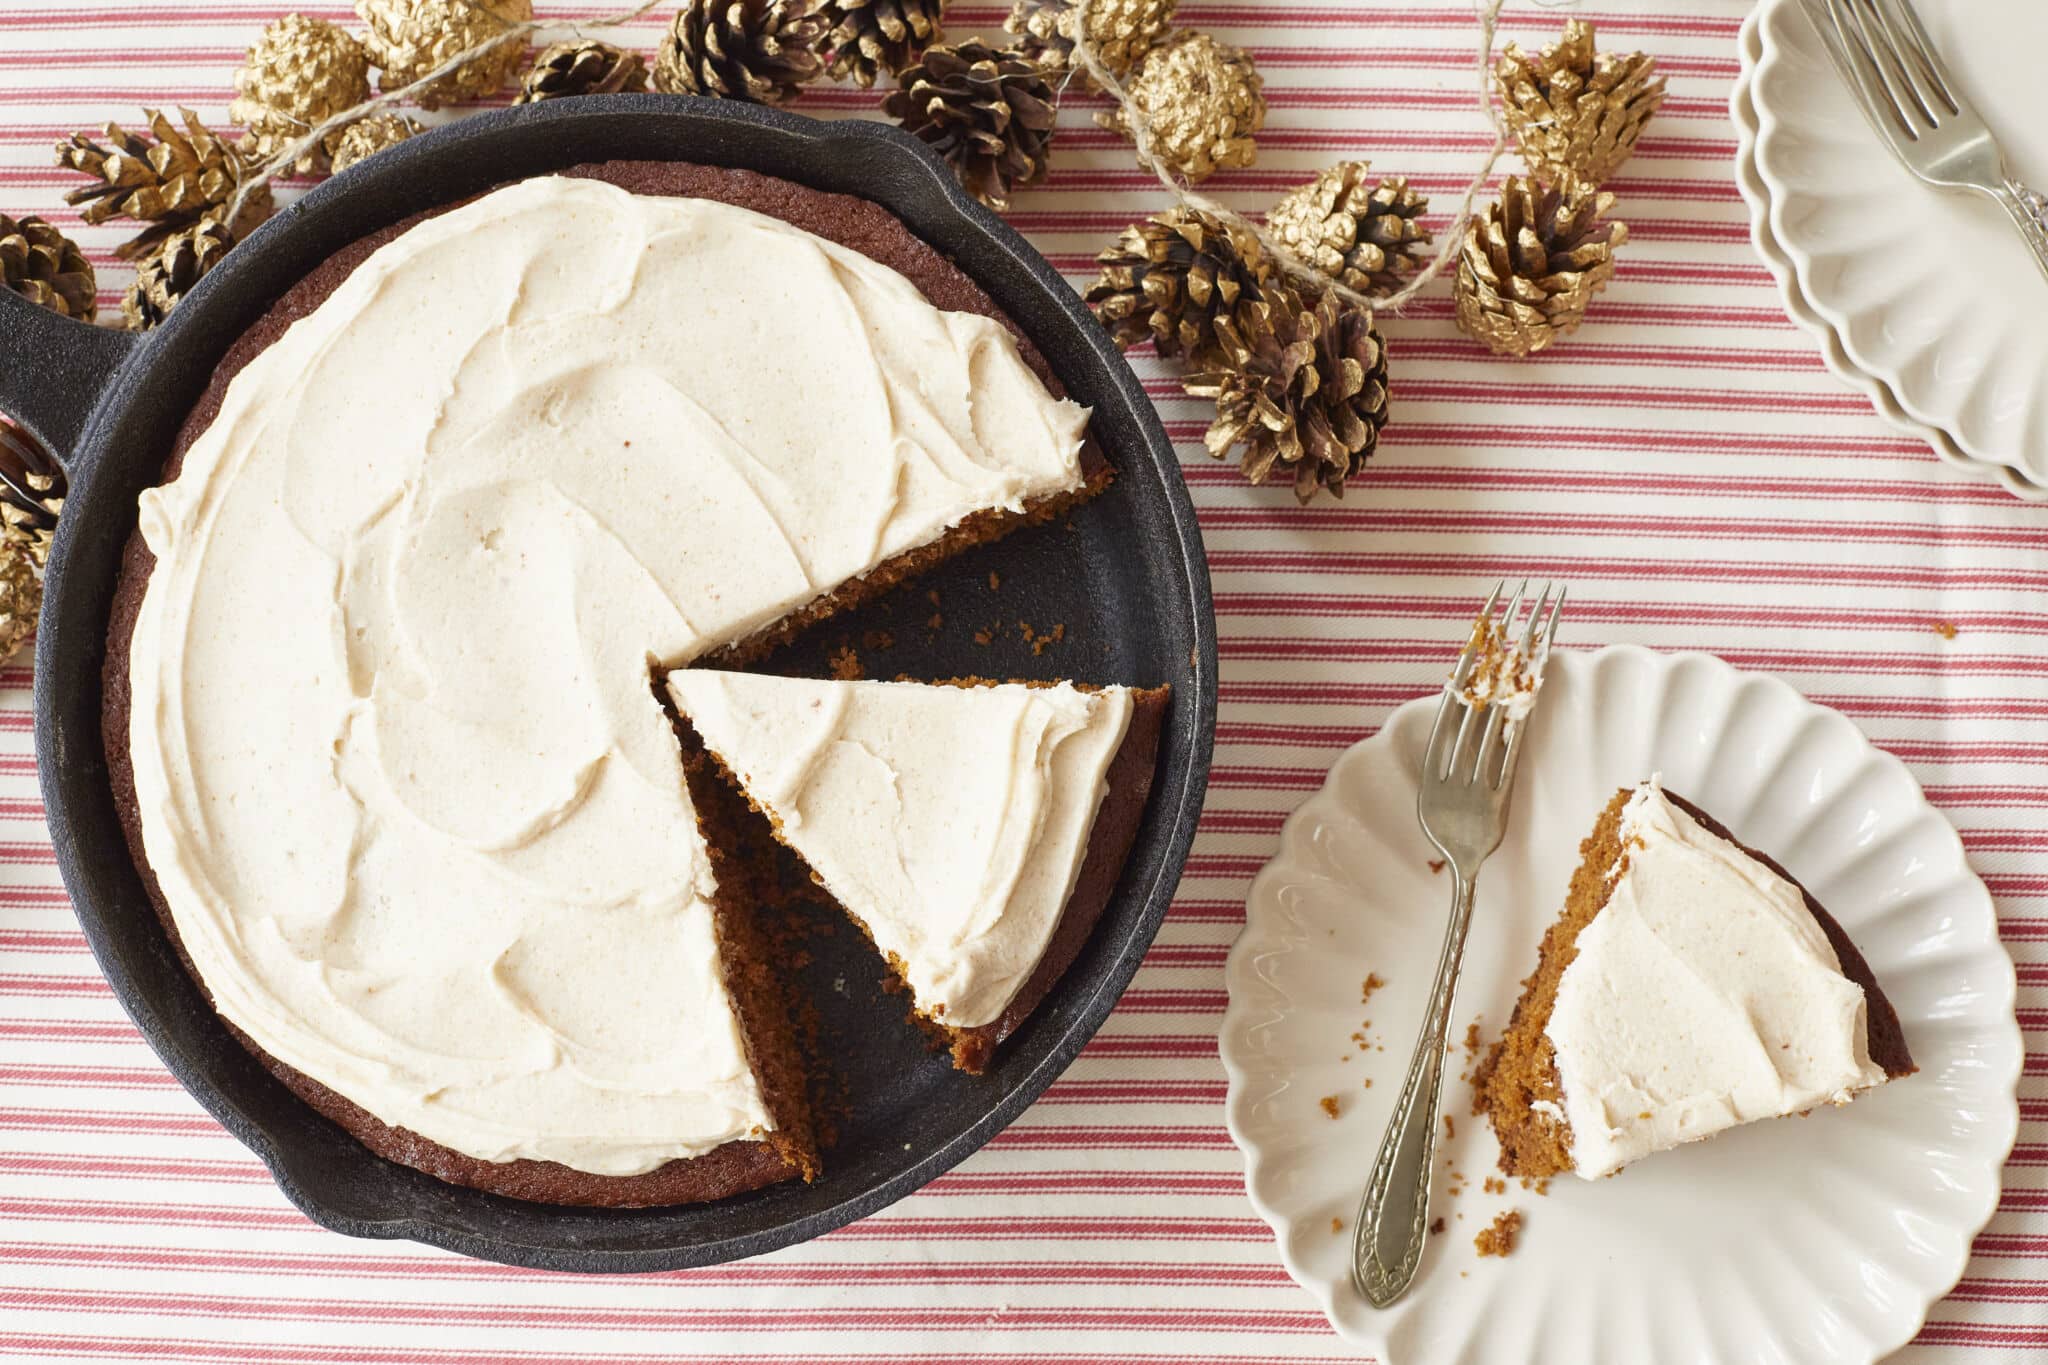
[1496,680]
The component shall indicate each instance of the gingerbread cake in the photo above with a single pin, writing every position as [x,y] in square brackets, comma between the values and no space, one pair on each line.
[971,829]
[377,690]
[1689,985]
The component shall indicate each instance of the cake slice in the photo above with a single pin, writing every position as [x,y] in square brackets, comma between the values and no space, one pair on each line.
[973,830]
[1690,985]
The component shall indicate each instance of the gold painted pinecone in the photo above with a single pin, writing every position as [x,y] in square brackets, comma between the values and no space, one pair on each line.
[28,518]
[409,38]
[584,67]
[762,51]
[45,267]
[1367,235]
[988,113]
[1172,278]
[168,184]
[300,72]
[1532,262]
[1205,100]
[163,279]
[1122,30]
[21,598]
[1575,112]
[1302,387]
[367,137]
[865,38]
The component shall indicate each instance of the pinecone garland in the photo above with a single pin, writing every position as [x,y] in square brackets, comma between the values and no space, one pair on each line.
[1204,100]
[1302,387]
[409,38]
[988,113]
[1121,30]
[169,183]
[1367,235]
[585,67]
[1532,262]
[1575,112]
[300,72]
[1172,278]
[163,279]
[21,598]
[762,51]
[367,137]
[45,267]
[865,38]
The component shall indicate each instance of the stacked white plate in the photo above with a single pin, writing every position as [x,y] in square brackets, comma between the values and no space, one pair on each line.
[1924,299]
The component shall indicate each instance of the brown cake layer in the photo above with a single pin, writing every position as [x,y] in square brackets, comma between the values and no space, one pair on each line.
[1521,1068]
[756,989]
[1129,780]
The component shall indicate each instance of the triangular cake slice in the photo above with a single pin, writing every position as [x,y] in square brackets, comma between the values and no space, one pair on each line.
[974,830]
[1690,985]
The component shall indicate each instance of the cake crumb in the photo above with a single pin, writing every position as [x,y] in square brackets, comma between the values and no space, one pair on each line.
[1499,1239]
[1436,865]
[1366,987]
[1329,1103]
[1336,1225]
[1495,1185]
[1450,1128]
[994,580]
[878,639]
[936,620]
[1436,1227]
[1368,1079]
[1945,629]
[845,664]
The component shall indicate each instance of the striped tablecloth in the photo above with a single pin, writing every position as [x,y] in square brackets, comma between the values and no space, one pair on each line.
[1685,462]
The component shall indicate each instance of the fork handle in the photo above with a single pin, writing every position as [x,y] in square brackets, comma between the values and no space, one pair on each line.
[1393,1218]
[2029,213]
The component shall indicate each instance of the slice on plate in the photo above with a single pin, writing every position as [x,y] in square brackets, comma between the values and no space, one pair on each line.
[1690,985]
[974,830]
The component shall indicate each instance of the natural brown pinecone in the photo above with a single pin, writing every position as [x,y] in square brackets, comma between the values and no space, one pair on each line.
[763,51]
[867,37]
[1575,112]
[45,267]
[21,597]
[409,38]
[1302,387]
[1532,262]
[584,67]
[989,113]
[165,277]
[367,137]
[1204,100]
[300,72]
[1367,235]
[169,183]
[1170,279]
[1121,30]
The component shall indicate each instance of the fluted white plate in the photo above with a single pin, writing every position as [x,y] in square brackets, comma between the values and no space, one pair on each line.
[1742,111]
[1822,1239]
[1932,294]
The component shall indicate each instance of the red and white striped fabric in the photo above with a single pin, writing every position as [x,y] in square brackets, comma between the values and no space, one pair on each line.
[1685,462]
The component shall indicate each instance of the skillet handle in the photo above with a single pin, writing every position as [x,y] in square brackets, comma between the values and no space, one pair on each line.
[52,372]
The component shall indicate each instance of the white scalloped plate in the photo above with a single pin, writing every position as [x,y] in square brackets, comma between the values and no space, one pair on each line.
[1932,294]
[1742,111]
[1823,1239]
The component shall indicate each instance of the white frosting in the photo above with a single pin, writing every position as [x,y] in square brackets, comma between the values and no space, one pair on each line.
[415,809]
[1703,995]
[950,821]
[1502,675]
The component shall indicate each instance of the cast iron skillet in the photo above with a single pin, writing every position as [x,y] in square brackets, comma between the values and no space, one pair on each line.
[1128,581]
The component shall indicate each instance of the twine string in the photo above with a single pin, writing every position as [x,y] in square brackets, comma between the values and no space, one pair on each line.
[1487,13]
[1143,139]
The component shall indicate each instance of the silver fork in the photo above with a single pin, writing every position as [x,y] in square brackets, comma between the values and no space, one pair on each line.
[1919,111]
[1468,776]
